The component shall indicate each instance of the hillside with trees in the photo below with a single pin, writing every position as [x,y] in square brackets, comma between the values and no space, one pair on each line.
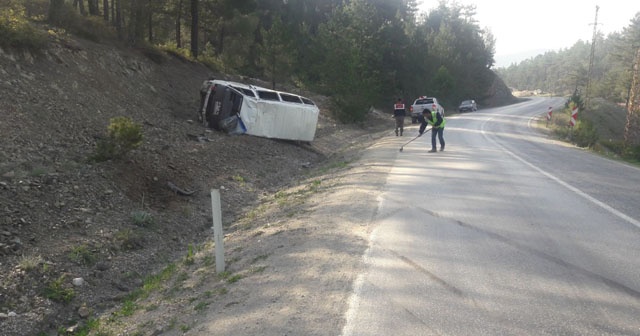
[598,76]
[361,53]
[565,71]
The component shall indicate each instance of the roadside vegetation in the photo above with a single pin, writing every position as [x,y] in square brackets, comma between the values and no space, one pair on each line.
[600,129]
[360,53]
[609,115]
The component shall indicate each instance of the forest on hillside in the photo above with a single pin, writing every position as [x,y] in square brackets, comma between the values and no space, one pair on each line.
[361,53]
[602,79]
[567,71]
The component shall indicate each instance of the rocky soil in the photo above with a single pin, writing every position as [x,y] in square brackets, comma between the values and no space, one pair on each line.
[109,249]
[81,243]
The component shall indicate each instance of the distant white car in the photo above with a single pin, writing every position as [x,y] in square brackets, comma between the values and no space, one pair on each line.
[468,106]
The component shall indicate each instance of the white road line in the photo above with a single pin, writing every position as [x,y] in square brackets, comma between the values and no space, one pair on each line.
[561,182]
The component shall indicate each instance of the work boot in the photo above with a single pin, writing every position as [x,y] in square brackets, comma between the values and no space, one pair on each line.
[433,150]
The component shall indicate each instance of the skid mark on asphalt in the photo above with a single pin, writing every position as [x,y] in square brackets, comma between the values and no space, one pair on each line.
[453,289]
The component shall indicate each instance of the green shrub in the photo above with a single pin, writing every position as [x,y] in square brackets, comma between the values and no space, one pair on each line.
[82,255]
[201,306]
[142,218]
[154,282]
[93,28]
[56,291]
[584,134]
[129,240]
[128,308]
[181,53]
[615,146]
[632,153]
[349,109]
[190,258]
[17,32]
[210,57]
[123,135]
[234,278]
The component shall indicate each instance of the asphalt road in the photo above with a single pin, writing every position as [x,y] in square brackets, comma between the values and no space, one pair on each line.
[505,233]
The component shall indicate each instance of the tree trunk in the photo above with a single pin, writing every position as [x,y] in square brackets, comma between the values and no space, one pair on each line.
[79,5]
[137,21]
[105,8]
[118,19]
[632,127]
[221,41]
[93,7]
[179,24]
[150,21]
[113,12]
[55,11]
[194,28]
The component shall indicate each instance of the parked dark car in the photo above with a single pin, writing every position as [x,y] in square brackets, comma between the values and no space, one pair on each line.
[468,106]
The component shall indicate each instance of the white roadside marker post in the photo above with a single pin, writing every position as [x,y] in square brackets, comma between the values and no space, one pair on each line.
[218,236]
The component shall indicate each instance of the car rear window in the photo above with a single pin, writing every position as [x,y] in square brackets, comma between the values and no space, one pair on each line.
[423,101]
[247,92]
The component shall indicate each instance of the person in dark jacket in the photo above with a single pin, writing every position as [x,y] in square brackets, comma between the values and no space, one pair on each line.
[437,122]
[398,115]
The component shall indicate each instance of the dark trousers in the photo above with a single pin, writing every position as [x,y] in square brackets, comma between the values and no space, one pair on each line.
[437,131]
[399,124]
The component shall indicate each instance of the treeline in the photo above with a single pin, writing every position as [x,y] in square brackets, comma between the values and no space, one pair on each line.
[361,53]
[566,71]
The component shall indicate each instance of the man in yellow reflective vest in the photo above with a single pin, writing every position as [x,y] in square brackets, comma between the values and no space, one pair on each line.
[437,122]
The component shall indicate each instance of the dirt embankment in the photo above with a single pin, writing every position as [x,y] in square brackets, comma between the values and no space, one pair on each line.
[113,224]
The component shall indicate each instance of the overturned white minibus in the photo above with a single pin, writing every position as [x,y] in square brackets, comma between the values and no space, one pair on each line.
[239,108]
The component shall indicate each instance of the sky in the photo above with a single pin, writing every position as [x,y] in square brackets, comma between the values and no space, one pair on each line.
[524,29]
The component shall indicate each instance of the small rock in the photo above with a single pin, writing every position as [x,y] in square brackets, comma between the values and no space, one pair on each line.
[12,314]
[72,329]
[83,311]
[159,330]
[78,282]
[102,266]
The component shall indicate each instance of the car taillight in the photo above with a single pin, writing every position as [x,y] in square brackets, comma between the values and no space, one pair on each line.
[411,109]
